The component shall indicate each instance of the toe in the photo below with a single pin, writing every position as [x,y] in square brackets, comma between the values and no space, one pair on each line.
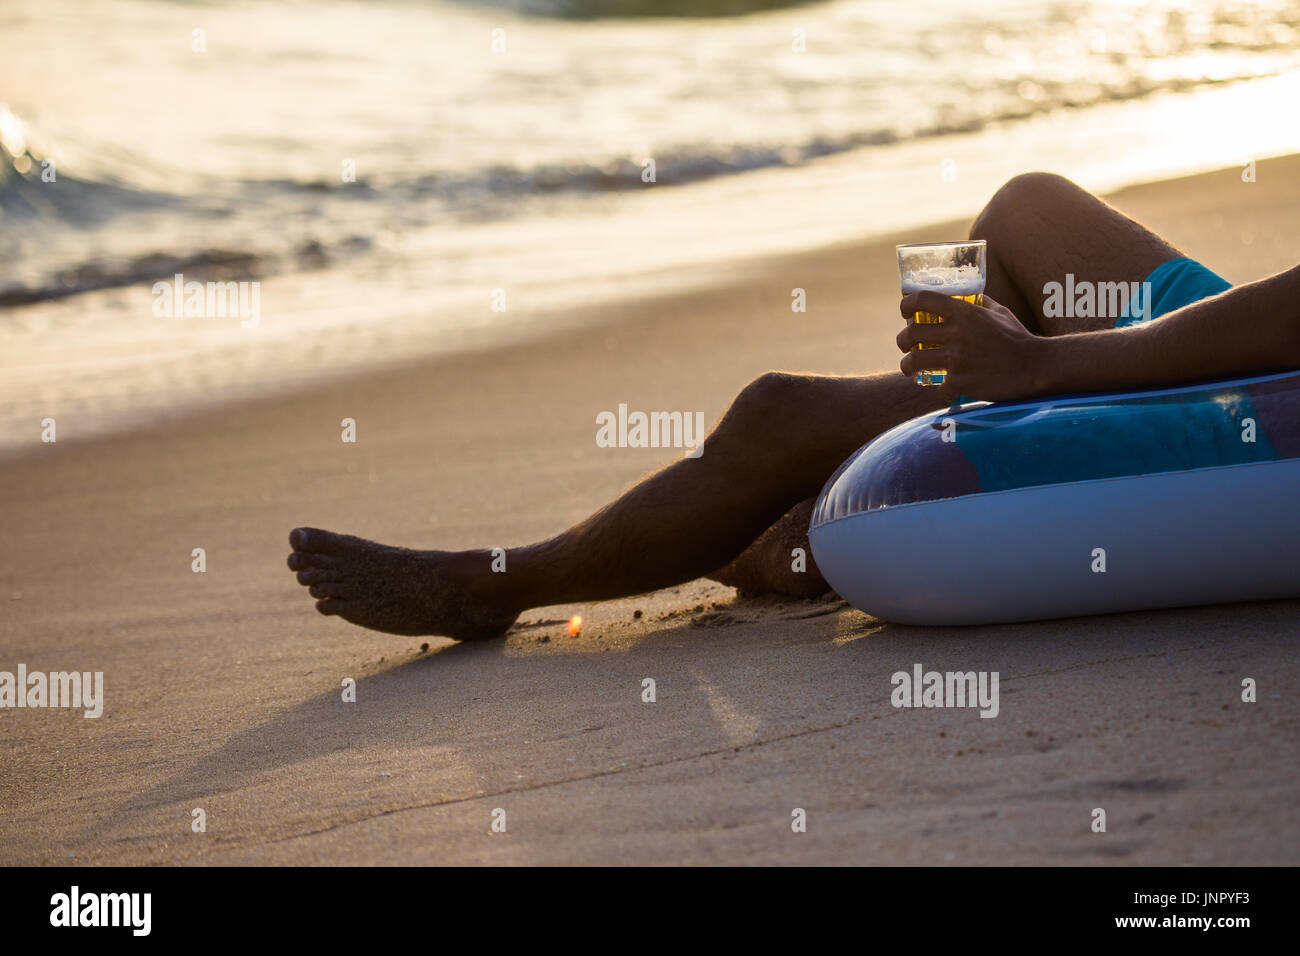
[302,560]
[316,575]
[312,539]
[332,606]
[327,589]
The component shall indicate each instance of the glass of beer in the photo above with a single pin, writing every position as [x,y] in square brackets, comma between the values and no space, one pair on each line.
[953,268]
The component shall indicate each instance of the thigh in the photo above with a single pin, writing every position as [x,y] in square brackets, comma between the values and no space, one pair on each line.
[806,425]
[1042,228]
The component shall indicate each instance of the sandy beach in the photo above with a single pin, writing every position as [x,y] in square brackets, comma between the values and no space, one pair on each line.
[223,688]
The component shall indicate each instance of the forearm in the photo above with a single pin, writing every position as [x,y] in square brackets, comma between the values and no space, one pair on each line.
[1250,329]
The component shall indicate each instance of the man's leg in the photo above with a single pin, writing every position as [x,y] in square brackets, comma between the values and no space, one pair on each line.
[774,448]
[1039,227]
[771,452]
[767,565]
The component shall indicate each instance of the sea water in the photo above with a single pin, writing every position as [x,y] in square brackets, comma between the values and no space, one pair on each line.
[410,179]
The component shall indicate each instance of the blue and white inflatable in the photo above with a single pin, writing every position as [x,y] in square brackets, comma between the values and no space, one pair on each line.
[1085,504]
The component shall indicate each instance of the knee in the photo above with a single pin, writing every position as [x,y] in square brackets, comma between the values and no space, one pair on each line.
[1028,194]
[763,405]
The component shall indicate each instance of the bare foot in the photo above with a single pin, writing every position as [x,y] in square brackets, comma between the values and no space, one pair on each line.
[765,567]
[397,590]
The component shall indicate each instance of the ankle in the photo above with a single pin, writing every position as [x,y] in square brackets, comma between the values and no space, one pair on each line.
[488,578]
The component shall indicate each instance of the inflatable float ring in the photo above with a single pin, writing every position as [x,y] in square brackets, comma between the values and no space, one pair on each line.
[1082,504]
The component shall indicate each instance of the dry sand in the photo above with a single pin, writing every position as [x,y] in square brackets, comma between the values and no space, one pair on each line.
[223,688]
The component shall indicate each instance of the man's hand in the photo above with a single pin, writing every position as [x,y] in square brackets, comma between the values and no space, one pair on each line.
[989,355]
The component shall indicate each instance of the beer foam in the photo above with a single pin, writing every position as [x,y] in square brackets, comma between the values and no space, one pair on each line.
[950,280]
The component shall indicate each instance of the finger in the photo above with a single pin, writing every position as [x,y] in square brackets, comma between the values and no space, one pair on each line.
[917,333]
[935,302]
[918,359]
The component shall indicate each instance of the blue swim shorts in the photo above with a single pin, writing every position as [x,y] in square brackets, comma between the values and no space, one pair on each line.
[1172,285]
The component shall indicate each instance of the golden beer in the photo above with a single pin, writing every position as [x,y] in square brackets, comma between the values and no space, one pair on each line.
[956,269]
[937,376]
